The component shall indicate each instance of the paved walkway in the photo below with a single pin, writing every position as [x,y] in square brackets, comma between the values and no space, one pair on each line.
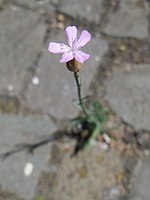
[34,85]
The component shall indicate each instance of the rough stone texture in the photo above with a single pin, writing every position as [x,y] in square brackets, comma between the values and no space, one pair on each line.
[31,3]
[16,130]
[130,20]
[141,181]
[1,3]
[86,9]
[85,176]
[4,3]
[43,5]
[128,93]
[21,39]
[57,90]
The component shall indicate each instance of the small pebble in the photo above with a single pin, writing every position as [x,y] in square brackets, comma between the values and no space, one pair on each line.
[97,59]
[60,25]
[88,8]
[66,147]
[10,88]
[35,81]
[114,192]
[28,169]
[106,138]
[122,47]
[60,17]
[104,146]
[146,152]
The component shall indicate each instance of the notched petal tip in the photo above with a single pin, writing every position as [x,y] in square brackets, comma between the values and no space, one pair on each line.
[71,27]
[71,32]
[84,38]
[56,48]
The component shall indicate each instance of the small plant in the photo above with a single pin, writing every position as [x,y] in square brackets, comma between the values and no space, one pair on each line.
[94,117]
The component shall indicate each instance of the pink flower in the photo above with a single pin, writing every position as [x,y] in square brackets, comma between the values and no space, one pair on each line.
[73,50]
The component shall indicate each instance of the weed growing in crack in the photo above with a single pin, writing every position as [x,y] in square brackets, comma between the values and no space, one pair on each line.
[92,118]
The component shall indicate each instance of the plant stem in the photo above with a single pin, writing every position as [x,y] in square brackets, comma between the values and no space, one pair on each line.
[95,132]
[78,83]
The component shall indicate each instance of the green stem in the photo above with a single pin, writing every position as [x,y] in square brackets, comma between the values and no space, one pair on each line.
[78,83]
[93,136]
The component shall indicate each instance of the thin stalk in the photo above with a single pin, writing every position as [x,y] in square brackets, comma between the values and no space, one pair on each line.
[95,132]
[78,83]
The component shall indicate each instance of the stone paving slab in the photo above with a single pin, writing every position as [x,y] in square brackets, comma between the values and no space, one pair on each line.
[56,89]
[21,39]
[128,93]
[130,20]
[19,129]
[32,3]
[141,181]
[85,9]
[42,5]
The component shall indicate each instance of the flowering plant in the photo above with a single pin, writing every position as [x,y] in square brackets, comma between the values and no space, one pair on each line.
[74,58]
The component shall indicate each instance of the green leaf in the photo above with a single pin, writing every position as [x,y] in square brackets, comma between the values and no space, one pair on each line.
[99,112]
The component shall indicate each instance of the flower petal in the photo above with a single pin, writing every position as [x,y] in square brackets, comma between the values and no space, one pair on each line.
[66,57]
[83,39]
[71,32]
[80,56]
[55,47]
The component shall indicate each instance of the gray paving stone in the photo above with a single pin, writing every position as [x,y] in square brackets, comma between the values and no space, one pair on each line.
[43,5]
[57,90]
[141,181]
[16,130]
[131,20]
[31,3]
[21,38]
[128,93]
[86,9]
[4,3]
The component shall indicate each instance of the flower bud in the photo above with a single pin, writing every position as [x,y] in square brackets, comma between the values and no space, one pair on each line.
[73,65]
